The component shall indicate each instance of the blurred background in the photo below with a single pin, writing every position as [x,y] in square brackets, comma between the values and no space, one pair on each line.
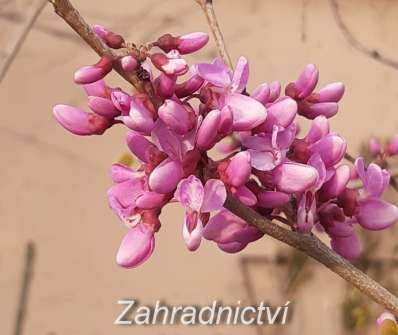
[58,238]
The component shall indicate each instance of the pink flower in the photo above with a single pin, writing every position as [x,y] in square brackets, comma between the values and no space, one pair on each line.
[374,213]
[176,116]
[136,247]
[171,63]
[230,232]
[197,200]
[79,122]
[93,73]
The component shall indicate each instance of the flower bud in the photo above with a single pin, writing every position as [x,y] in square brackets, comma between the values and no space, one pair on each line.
[331,148]
[376,214]
[136,247]
[272,199]
[189,87]
[165,85]
[239,169]
[122,101]
[280,113]
[392,146]
[374,147]
[139,118]
[274,91]
[176,116]
[331,93]
[165,177]
[333,187]
[96,89]
[306,82]
[79,122]
[244,195]
[294,177]
[129,63]
[103,106]
[170,64]
[192,42]
[319,129]
[349,247]
[261,93]
[207,132]
[140,146]
[93,73]
[311,111]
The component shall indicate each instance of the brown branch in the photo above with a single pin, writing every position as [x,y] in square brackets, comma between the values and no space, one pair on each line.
[315,248]
[208,10]
[71,16]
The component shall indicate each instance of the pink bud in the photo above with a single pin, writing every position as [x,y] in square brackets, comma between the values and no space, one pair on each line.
[337,183]
[294,177]
[239,169]
[79,122]
[226,121]
[189,87]
[319,128]
[100,31]
[261,93]
[374,146]
[165,85]
[111,39]
[274,91]
[170,64]
[392,147]
[150,200]
[129,63]
[207,132]
[307,81]
[331,148]
[103,106]
[139,118]
[93,73]
[349,247]
[243,120]
[176,116]
[165,177]
[244,195]
[189,43]
[122,101]
[272,199]
[311,111]
[96,89]
[331,92]
[140,146]
[376,214]
[136,247]
[280,113]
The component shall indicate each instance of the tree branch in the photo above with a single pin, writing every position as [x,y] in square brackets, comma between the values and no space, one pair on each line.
[307,243]
[208,10]
[316,249]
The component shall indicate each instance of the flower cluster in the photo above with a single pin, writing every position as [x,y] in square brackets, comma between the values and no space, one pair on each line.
[263,161]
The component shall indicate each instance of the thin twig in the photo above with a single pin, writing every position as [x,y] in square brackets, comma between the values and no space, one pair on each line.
[315,248]
[208,10]
[18,41]
[24,294]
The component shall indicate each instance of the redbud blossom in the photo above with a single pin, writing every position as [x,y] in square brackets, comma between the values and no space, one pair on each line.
[93,73]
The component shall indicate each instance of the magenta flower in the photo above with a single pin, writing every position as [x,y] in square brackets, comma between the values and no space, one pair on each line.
[230,232]
[198,200]
[374,213]
[136,247]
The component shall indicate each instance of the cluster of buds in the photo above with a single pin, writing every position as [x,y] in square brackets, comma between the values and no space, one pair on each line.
[266,164]
[378,150]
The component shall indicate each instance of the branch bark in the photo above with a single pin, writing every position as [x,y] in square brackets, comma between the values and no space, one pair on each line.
[208,10]
[315,248]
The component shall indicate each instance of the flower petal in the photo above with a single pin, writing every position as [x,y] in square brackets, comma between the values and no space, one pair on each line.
[214,196]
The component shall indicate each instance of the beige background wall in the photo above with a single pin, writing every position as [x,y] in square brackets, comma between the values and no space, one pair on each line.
[53,184]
